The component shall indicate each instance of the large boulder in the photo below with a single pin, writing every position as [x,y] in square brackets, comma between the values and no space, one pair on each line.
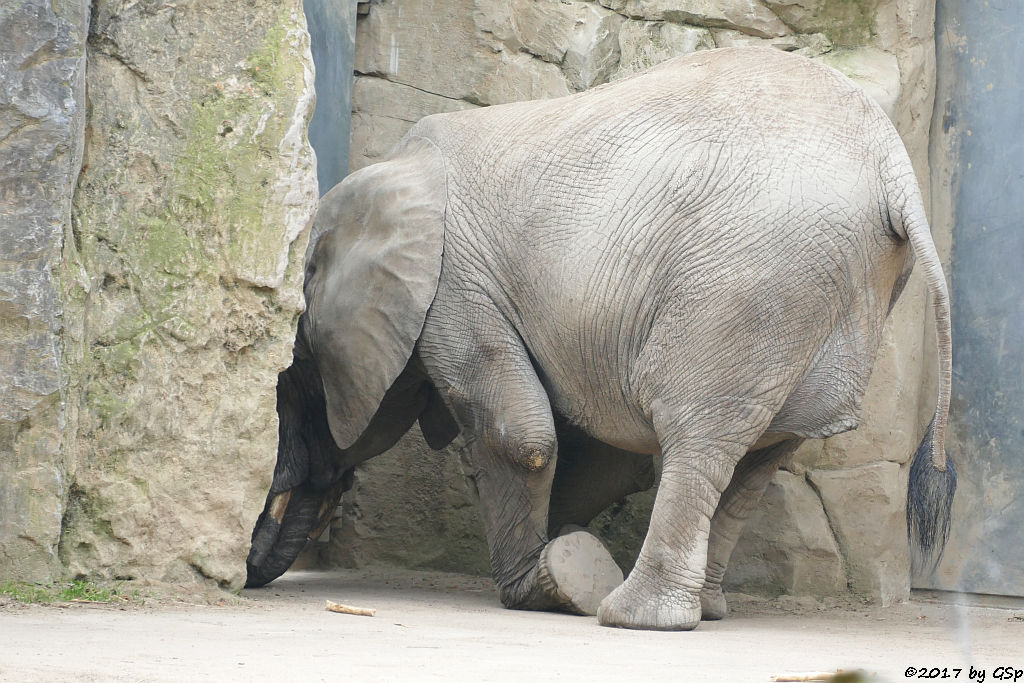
[183,281]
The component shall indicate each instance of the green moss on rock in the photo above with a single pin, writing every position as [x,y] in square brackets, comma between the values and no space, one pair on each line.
[847,23]
[182,274]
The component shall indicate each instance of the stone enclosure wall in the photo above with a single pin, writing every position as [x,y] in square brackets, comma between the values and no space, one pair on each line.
[155,187]
[155,183]
[833,519]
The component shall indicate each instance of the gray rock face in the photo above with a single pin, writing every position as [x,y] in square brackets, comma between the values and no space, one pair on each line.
[143,321]
[431,521]
[42,110]
[788,547]
[190,228]
[748,16]
[867,508]
[646,43]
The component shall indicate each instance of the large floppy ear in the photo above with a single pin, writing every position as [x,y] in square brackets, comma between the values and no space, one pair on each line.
[370,278]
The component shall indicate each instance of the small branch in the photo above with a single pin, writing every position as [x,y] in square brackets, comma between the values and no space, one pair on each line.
[348,609]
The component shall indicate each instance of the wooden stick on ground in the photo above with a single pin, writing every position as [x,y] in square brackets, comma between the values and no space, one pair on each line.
[348,609]
[806,676]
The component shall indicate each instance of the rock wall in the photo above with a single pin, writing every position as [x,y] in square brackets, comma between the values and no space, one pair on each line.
[185,280]
[42,112]
[832,521]
[166,306]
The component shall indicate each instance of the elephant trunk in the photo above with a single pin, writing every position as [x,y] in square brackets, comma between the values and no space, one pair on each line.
[308,477]
[289,520]
[933,474]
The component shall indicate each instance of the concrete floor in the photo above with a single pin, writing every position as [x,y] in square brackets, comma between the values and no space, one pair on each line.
[439,627]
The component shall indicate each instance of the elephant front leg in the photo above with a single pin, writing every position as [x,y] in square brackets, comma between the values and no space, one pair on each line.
[498,401]
[572,572]
[751,478]
[700,449]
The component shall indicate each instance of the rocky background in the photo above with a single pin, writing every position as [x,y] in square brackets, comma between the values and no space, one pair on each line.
[42,119]
[833,520]
[152,279]
[154,205]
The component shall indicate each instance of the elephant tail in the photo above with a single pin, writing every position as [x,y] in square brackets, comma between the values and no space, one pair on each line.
[932,474]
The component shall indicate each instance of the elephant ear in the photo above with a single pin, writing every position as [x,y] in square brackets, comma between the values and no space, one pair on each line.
[370,278]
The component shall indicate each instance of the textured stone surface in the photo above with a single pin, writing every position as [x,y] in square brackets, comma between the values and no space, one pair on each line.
[183,281]
[846,23]
[788,547]
[382,112]
[411,507]
[642,44]
[434,45]
[866,507]
[42,110]
[579,36]
[747,16]
[517,76]
[594,49]
[544,29]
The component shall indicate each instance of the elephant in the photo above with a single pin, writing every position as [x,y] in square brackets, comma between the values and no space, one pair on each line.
[694,262]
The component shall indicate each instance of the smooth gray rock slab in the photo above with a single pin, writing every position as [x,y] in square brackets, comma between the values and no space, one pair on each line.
[42,69]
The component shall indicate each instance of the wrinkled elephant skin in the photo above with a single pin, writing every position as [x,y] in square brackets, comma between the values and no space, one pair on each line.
[696,261]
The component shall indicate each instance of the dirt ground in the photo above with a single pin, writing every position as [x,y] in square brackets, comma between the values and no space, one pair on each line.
[442,627]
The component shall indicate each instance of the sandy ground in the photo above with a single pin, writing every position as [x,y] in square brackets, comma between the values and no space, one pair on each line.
[438,627]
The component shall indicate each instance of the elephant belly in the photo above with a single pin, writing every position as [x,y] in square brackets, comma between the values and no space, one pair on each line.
[614,423]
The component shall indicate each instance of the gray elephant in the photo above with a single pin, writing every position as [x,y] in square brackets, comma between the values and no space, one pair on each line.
[696,261]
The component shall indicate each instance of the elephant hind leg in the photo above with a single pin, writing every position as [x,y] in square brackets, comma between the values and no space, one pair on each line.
[701,445]
[738,502]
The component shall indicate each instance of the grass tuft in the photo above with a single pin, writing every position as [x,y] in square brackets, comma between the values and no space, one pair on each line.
[78,590]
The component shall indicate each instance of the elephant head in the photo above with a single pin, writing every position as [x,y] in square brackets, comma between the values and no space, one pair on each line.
[371,273]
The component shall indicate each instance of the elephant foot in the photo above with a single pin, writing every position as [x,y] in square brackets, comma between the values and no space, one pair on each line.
[578,572]
[712,603]
[645,606]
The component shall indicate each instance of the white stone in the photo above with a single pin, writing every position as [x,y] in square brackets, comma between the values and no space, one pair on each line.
[748,16]
[372,137]
[787,546]
[581,37]
[593,52]
[643,44]
[383,111]
[433,45]
[380,97]
[544,28]
[518,77]
[866,507]
[807,44]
